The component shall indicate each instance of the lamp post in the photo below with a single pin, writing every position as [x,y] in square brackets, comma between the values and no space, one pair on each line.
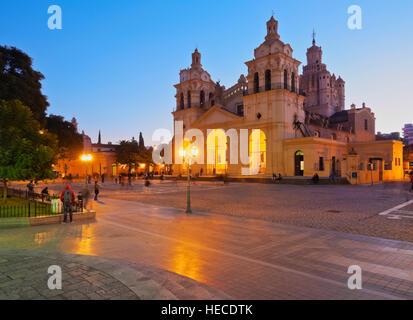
[86,158]
[189,153]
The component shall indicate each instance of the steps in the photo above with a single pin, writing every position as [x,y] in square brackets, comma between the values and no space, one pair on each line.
[268,180]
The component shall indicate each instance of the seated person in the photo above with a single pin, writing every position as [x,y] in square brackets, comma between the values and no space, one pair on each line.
[315,178]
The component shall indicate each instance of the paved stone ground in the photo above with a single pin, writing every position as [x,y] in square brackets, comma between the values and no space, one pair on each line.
[240,250]
[345,208]
[24,276]
[244,258]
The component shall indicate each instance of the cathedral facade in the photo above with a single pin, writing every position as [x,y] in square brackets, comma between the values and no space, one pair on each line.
[293,124]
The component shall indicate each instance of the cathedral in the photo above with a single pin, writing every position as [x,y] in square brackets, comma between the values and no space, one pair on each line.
[295,124]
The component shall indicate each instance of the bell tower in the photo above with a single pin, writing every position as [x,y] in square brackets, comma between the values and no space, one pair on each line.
[272,29]
[325,94]
[196,60]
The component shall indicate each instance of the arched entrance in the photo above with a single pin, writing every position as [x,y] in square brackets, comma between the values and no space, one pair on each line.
[258,152]
[216,152]
[299,164]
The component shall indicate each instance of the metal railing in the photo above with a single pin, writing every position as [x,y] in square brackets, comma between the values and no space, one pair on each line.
[33,205]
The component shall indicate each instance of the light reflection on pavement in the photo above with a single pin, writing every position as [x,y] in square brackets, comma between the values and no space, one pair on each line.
[245,258]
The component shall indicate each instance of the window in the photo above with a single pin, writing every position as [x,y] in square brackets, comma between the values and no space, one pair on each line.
[285,79]
[202,99]
[211,99]
[240,110]
[256,83]
[334,136]
[189,99]
[366,125]
[182,103]
[317,134]
[293,82]
[321,164]
[267,80]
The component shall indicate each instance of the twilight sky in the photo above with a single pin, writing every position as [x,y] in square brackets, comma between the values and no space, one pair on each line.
[114,64]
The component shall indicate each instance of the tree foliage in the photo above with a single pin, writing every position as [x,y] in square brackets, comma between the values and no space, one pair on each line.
[18,81]
[70,142]
[26,152]
[130,153]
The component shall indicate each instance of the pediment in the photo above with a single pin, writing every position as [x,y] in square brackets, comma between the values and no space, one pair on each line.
[214,116]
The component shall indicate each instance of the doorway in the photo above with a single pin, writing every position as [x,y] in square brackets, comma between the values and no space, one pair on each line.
[299,164]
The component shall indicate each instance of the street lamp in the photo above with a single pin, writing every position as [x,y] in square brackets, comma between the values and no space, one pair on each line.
[86,158]
[189,153]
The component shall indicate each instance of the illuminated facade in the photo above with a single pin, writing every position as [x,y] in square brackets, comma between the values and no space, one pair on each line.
[302,126]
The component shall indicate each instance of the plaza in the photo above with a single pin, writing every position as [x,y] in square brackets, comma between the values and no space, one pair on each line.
[181,160]
[274,242]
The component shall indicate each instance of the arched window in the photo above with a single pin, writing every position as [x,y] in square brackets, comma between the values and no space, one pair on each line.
[202,99]
[182,102]
[256,83]
[293,82]
[285,79]
[189,99]
[211,99]
[267,80]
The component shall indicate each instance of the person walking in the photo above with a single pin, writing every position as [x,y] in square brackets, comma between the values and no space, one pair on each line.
[67,197]
[85,196]
[30,189]
[96,190]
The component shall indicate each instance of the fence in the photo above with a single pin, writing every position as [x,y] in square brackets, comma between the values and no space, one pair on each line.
[32,204]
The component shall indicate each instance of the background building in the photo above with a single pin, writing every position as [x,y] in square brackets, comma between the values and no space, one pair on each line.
[408,134]
[389,136]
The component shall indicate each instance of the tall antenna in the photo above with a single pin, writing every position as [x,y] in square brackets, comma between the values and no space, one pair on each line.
[314,37]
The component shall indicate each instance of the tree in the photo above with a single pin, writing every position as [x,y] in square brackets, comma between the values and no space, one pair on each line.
[70,142]
[26,151]
[19,81]
[128,153]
